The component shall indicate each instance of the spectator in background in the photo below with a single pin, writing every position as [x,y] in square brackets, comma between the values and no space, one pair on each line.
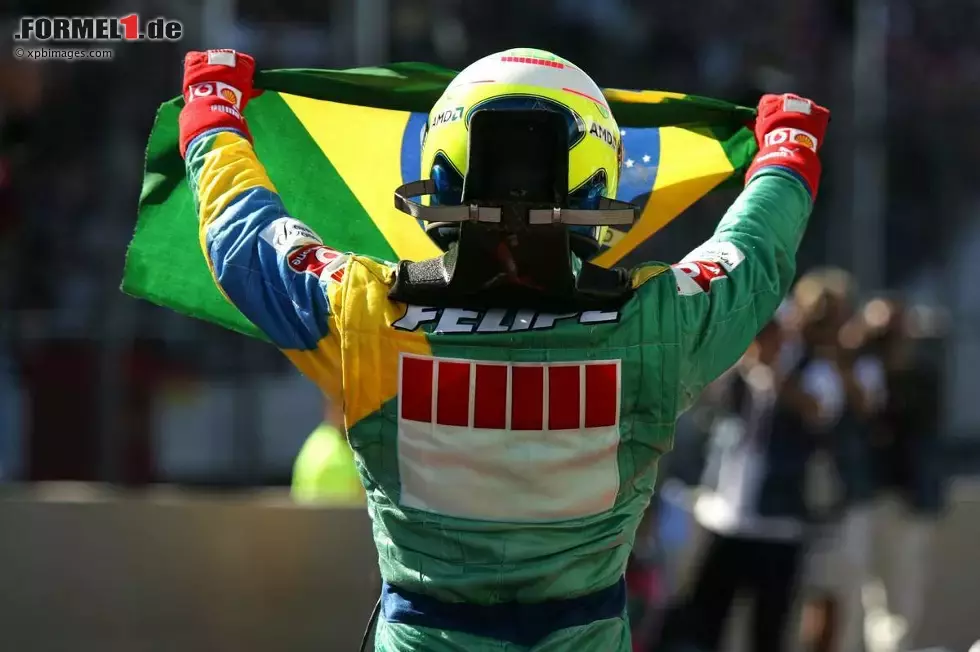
[324,471]
[906,454]
[758,515]
[841,472]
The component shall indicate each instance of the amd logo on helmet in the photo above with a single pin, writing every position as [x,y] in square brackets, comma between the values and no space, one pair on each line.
[604,135]
[449,115]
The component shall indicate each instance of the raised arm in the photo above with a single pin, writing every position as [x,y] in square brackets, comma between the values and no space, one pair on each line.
[271,266]
[730,286]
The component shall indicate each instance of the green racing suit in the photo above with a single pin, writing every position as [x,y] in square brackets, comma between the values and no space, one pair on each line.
[507,456]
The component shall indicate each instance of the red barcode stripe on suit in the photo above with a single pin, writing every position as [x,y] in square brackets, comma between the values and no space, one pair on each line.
[527,398]
[453,407]
[563,397]
[490,410]
[416,394]
[601,395]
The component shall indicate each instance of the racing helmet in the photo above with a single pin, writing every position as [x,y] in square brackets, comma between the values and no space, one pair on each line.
[520,80]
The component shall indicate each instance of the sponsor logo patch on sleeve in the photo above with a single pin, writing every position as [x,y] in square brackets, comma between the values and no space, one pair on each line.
[696,277]
[705,265]
[725,253]
[319,260]
[286,234]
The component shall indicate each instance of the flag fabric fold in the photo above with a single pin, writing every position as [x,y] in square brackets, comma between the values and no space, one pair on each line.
[336,144]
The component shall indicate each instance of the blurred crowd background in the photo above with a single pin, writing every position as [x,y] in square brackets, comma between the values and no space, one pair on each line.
[870,366]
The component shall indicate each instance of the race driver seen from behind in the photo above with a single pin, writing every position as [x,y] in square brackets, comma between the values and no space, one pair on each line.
[507,452]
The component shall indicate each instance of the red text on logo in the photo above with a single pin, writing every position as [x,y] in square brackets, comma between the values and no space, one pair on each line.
[702,272]
[314,259]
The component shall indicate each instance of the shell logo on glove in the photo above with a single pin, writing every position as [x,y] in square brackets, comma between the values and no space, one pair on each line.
[805,140]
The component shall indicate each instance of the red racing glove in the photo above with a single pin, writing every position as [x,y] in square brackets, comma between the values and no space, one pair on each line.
[790,130]
[217,86]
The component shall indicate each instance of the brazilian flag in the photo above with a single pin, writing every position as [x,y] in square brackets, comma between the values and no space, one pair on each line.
[336,144]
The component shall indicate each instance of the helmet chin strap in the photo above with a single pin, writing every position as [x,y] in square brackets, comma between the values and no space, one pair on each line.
[609,212]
